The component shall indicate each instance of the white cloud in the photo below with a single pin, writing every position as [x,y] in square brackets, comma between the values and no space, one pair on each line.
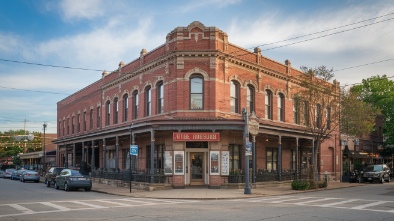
[86,9]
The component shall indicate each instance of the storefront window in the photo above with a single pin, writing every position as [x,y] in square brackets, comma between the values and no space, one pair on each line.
[272,159]
[158,157]
[235,156]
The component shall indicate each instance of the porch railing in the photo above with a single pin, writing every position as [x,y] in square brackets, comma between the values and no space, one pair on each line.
[126,176]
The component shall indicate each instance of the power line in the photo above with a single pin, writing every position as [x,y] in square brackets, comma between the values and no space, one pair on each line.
[364,64]
[45,92]
[49,65]
[330,29]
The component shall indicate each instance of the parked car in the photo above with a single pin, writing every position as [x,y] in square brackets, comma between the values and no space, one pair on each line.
[30,175]
[379,172]
[16,175]
[8,172]
[50,177]
[356,176]
[72,179]
[2,173]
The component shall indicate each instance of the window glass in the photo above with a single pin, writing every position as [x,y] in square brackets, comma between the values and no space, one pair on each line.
[196,93]
[234,97]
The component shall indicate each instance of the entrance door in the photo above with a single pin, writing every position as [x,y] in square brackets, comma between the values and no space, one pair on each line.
[197,168]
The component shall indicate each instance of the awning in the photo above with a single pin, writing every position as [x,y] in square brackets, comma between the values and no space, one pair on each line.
[32,155]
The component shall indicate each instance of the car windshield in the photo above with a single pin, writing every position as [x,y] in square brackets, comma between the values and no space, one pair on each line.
[75,173]
[374,168]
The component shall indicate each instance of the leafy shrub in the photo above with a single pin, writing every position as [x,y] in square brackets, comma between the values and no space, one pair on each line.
[300,185]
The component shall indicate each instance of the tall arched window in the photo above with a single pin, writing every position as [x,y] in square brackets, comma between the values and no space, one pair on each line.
[160,97]
[196,92]
[281,107]
[108,112]
[250,99]
[148,101]
[135,105]
[234,97]
[268,104]
[125,107]
[116,110]
[296,110]
[318,115]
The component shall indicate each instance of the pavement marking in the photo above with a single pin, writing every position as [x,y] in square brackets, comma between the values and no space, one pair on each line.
[292,199]
[317,200]
[112,202]
[61,208]
[90,205]
[338,203]
[369,205]
[23,209]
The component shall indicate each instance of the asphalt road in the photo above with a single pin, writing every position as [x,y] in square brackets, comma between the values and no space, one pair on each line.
[34,201]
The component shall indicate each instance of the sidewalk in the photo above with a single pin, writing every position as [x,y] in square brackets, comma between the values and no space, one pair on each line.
[206,193]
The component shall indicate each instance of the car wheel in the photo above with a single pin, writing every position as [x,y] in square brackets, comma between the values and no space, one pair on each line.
[88,189]
[66,187]
[36,181]
[56,186]
[48,183]
[388,179]
[382,179]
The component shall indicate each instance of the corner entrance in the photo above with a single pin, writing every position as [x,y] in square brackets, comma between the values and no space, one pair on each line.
[197,168]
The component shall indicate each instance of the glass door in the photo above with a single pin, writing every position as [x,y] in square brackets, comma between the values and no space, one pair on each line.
[197,167]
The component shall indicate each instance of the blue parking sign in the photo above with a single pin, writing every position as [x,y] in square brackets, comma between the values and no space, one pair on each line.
[134,150]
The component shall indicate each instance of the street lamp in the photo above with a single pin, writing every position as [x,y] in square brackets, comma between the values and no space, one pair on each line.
[247,144]
[43,150]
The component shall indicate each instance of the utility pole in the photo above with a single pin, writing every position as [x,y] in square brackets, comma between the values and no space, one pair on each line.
[247,145]
[43,150]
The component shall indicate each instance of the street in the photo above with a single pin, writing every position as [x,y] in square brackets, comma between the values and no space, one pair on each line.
[34,201]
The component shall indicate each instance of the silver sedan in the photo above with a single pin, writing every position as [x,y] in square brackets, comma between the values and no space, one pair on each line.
[30,175]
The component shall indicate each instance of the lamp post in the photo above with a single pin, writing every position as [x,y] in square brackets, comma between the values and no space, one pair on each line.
[246,143]
[43,150]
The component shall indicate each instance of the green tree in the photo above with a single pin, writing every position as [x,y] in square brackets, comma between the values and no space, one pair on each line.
[321,106]
[379,91]
[357,117]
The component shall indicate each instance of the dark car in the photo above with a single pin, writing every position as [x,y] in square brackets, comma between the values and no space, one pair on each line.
[50,177]
[73,179]
[379,172]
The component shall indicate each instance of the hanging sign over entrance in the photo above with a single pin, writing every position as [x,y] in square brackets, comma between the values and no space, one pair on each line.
[190,136]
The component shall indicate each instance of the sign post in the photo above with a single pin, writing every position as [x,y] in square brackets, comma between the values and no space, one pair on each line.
[133,152]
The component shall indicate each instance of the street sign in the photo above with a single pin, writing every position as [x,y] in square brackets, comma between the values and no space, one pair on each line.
[134,150]
[248,151]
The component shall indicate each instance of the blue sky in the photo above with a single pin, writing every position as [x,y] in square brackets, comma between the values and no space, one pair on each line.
[98,34]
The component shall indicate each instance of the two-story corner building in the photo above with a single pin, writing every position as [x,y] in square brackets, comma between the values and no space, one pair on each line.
[179,108]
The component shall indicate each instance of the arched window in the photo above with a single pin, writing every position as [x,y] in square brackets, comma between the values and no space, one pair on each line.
[234,97]
[250,99]
[116,110]
[196,92]
[281,107]
[296,110]
[125,107]
[148,101]
[160,97]
[108,112]
[268,104]
[135,105]
[98,117]
[318,115]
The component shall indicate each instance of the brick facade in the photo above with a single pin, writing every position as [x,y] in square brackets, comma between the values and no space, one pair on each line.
[189,51]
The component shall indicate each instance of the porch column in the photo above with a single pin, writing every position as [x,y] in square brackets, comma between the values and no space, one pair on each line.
[73,164]
[66,160]
[87,153]
[93,165]
[117,153]
[254,159]
[104,154]
[83,152]
[297,158]
[280,158]
[152,154]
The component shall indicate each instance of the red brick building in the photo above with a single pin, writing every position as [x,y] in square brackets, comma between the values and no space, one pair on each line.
[183,101]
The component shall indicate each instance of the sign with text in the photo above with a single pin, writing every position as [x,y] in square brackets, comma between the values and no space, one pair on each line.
[134,150]
[200,136]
